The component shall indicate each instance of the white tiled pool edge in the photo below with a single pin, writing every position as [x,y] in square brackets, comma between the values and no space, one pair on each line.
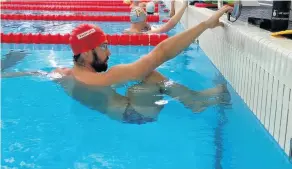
[258,66]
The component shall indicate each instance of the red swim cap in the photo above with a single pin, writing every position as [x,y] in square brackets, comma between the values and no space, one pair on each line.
[86,37]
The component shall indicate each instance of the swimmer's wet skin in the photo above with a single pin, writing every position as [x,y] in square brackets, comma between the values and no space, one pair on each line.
[89,82]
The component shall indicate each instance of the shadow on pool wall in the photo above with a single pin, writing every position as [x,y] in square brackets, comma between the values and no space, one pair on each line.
[257,66]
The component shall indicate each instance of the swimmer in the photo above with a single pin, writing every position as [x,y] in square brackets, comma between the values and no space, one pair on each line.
[90,80]
[139,24]
[150,8]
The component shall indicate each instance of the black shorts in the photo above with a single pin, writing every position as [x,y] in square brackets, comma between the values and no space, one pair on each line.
[133,117]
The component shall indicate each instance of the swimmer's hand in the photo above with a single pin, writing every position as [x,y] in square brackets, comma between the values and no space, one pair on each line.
[213,21]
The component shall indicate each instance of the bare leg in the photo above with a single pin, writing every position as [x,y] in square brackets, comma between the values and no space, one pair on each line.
[146,96]
[195,100]
[212,92]
[200,106]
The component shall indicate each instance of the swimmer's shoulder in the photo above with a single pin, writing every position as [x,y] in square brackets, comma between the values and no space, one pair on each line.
[63,71]
[60,73]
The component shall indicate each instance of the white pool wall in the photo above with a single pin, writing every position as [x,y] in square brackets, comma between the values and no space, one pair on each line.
[258,66]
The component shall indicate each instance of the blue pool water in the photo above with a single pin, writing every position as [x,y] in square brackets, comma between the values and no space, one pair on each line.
[43,127]
[61,27]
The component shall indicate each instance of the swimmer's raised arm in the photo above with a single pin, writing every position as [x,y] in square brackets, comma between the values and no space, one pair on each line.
[173,20]
[163,52]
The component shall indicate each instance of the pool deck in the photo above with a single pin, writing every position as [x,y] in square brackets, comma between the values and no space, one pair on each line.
[263,12]
[257,65]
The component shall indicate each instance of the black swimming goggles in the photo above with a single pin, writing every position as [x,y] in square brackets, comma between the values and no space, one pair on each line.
[103,46]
